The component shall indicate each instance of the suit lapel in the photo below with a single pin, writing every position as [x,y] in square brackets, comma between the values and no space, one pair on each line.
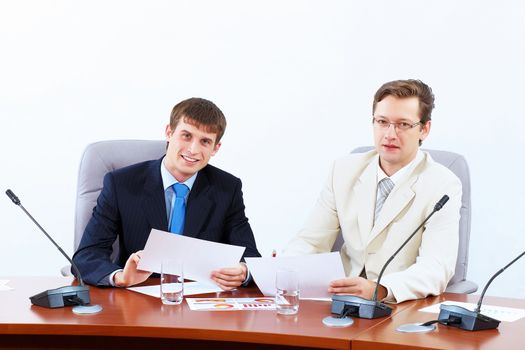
[199,205]
[398,199]
[154,204]
[365,195]
[394,204]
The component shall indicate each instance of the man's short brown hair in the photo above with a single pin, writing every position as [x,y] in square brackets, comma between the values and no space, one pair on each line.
[408,88]
[201,113]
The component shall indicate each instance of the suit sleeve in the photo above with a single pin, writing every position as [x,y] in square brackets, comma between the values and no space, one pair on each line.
[237,227]
[322,226]
[436,260]
[93,255]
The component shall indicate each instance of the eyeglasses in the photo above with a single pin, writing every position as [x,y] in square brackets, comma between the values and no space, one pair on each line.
[385,124]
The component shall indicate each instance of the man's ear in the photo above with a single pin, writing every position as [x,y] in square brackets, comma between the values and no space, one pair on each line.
[216,148]
[168,132]
[425,130]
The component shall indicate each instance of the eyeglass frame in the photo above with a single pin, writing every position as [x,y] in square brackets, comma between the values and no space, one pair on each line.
[397,126]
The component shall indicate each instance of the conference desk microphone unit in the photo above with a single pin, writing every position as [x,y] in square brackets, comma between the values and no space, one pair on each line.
[457,316]
[460,317]
[77,296]
[351,305]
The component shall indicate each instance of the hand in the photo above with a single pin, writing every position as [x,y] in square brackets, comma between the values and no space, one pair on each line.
[131,276]
[230,278]
[358,286]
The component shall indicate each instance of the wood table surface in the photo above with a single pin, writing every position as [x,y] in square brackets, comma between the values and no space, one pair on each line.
[136,321]
[509,335]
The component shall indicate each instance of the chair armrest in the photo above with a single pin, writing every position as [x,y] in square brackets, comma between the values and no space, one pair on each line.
[465,287]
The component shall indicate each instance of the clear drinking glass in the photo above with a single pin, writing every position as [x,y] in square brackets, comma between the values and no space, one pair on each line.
[171,282]
[287,292]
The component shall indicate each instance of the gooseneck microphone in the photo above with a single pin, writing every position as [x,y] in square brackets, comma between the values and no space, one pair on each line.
[15,200]
[437,207]
[352,305]
[478,308]
[457,316]
[63,296]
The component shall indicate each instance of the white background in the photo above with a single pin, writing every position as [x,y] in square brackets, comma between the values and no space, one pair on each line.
[295,80]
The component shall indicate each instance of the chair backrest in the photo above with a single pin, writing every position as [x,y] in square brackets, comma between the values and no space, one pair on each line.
[458,165]
[98,159]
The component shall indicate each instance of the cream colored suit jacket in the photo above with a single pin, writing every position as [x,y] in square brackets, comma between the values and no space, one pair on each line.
[347,202]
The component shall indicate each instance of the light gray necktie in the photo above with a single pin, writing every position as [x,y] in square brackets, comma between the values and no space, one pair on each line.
[384,187]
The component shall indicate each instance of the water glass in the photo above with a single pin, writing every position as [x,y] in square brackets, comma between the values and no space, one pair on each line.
[171,282]
[287,292]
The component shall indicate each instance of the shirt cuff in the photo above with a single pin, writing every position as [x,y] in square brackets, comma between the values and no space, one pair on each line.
[248,278]
[111,278]
[389,296]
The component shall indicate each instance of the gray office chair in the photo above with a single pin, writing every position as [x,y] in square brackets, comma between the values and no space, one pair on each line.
[98,159]
[458,165]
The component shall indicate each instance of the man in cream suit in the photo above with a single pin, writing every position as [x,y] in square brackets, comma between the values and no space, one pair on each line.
[377,199]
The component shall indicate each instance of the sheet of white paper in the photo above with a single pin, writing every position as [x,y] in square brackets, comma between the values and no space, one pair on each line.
[190,288]
[318,299]
[315,272]
[4,286]
[200,257]
[500,313]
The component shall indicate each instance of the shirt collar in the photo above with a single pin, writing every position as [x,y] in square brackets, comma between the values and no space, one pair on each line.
[399,175]
[168,180]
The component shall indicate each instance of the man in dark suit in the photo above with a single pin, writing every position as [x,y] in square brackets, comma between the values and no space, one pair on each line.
[147,195]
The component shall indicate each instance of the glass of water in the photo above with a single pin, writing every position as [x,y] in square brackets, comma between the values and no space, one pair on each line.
[171,282]
[287,292]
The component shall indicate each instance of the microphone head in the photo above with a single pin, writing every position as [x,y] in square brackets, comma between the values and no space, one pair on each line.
[441,203]
[13,197]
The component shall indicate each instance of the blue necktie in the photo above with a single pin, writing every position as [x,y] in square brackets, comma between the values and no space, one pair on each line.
[179,209]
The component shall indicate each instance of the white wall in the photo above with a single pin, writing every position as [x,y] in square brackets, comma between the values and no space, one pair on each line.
[295,80]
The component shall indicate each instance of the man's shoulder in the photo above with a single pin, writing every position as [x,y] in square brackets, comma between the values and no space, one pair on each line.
[216,175]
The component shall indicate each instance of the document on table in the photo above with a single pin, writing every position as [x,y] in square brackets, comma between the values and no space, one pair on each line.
[500,313]
[230,304]
[4,286]
[199,257]
[315,272]
[190,288]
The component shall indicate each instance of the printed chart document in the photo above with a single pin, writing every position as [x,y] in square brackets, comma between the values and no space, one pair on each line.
[500,313]
[315,272]
[230,304]
[190,288]
[200,257]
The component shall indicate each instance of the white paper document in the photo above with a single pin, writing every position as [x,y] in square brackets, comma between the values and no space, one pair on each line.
[4,286]
[200,257]
[190,288]
[315,272]
[500,313]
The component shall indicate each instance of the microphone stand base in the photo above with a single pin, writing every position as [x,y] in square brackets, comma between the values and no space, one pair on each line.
[338,322]
[86,309]
[415,328]
[63,296]
[457,316]
[359,307]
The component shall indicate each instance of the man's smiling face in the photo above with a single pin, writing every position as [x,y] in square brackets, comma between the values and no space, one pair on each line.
[189,150]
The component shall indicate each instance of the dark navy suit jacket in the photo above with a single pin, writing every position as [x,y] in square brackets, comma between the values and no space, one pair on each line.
[132,203]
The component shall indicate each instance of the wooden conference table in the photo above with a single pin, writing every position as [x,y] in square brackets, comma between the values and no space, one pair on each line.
[132,320]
